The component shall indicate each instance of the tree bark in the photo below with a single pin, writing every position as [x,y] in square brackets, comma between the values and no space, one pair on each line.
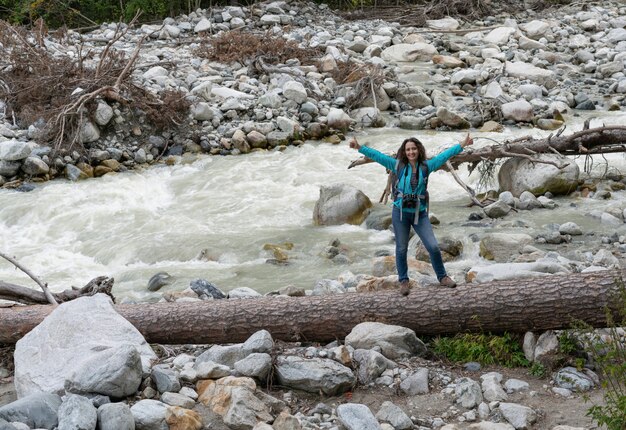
[515,306]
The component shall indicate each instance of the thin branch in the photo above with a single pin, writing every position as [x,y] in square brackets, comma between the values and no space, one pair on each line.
[466,187]
[43,286]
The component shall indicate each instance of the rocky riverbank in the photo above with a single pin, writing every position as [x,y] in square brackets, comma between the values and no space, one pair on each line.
[520,70]
[93,375]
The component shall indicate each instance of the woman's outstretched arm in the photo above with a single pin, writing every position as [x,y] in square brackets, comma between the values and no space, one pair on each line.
[440,159]
[383,159]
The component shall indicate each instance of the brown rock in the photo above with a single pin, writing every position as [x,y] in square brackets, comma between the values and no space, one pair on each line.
[101,171]
[112,164]
[182,419]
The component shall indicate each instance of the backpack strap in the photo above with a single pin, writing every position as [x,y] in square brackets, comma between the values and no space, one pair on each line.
[424,169]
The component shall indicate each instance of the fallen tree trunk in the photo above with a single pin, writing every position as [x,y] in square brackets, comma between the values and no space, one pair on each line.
[515,306]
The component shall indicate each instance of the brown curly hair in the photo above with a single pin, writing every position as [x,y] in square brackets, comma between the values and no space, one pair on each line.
[421,151]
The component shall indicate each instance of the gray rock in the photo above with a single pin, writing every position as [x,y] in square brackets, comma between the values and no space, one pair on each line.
[89,132]
[243,293]
[411,122]
[261,341]
[506,197]
[150,415]
[416,382]
[165,379]
[14,150]
[548,343]
[115,416]
[394,415]
[529,200]
[222,354]
[341,204]
[515,385]
[519,174]
[500,246]
[103,114]
[114,372]
[314,375]
[355,416]
[572,379]
[6,426]
[176,399]
[204,288]
[74,332]
[328,287]
[256,365]
[36,410]
[520,417]
[497,209]
[338,119]
[293,90]
[468,393]
[77,413]
[9,168]
[492,390]
[202,111]
[210,370]
[159,280]
[371,365]
[394,341]
[570,228]
[34,166]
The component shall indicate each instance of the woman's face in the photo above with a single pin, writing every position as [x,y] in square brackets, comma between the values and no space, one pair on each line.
[411,151]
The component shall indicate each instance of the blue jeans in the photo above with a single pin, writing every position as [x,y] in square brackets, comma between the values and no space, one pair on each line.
[424,230]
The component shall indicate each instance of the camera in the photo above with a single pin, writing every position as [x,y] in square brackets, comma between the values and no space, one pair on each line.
[410,201]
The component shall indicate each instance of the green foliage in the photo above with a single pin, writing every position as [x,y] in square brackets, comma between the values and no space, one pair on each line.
[503,350]
[537,369]
[567,342]
[609,355]
[80,13]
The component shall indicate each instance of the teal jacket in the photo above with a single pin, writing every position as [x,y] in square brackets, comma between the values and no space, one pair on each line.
[404,184]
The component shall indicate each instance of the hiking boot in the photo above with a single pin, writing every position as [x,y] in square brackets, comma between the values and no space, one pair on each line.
[448,282]
[405,287]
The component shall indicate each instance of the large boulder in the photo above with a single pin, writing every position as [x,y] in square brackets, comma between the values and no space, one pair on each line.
[394,341]
[501,246]
[341,204]
[314,375]
[520,174]
[75,334]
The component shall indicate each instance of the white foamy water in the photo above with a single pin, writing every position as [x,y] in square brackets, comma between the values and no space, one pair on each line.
[132,225]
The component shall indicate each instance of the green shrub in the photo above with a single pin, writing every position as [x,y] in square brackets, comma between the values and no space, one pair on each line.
[537,369]
[608,353]
[486,349]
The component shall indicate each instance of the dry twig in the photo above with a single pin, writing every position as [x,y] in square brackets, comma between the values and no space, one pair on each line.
[43,286]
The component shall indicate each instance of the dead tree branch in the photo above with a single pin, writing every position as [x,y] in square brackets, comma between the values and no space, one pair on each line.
[601,140]
[28,296]
[44,287]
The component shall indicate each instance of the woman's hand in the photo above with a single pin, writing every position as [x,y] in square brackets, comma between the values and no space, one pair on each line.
[467,141]
[354,144]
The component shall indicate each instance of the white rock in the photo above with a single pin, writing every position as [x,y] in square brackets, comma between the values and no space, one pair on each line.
[70,335]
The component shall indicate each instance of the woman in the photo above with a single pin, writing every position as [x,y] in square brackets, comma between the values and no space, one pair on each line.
[410,205]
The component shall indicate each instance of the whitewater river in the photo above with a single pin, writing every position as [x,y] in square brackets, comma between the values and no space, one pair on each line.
[132,225]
